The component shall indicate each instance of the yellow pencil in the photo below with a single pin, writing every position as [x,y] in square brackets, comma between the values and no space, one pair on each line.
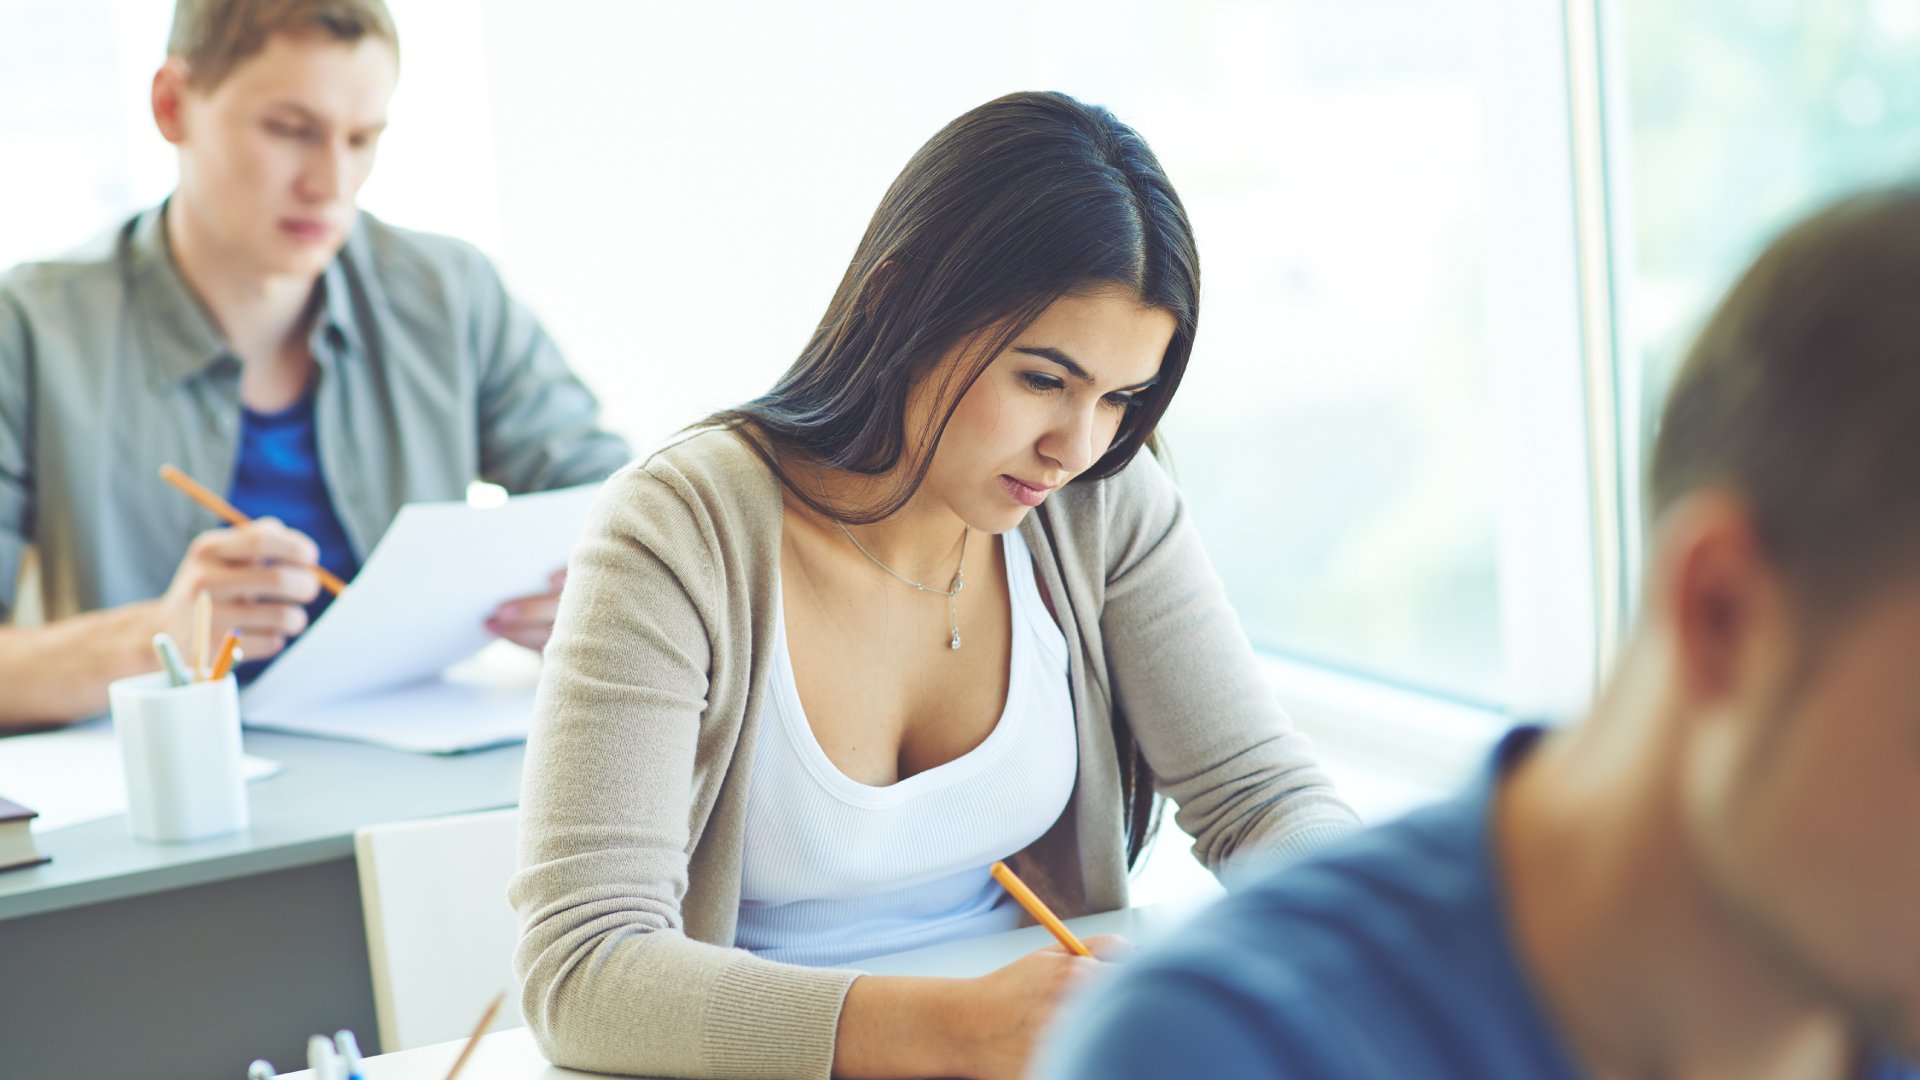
[229,652]
[473,1040]
[1018,889]
[225,511]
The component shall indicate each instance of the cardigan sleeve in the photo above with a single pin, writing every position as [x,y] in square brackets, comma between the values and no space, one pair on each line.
[611,811]
[1184,675]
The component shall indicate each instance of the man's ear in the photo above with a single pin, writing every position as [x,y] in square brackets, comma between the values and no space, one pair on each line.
[170,87]
[1716,590]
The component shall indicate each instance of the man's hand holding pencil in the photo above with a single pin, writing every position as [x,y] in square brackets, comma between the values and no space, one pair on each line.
[259,575]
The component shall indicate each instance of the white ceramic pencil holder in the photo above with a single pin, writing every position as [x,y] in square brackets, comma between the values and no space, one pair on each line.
[180,748]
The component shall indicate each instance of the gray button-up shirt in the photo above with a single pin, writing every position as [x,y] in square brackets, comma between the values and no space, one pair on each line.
[430,376]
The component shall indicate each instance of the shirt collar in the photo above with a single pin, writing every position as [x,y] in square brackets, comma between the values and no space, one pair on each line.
[1880,1062]
[334,325]
[190,343]
[1517,743]
[185,339]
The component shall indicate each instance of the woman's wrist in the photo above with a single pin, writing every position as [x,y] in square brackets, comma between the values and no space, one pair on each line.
[893,1026]
[952,1015]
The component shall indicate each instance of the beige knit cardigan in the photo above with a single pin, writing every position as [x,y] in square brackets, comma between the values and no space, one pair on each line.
[634,796]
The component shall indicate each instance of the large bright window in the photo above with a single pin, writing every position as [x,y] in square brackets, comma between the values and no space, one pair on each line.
[73,136]
[1381,431]
[1739,118]
[1385,434]
[1379,194]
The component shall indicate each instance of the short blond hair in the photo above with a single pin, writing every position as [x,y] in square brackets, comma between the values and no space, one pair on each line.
[214,36]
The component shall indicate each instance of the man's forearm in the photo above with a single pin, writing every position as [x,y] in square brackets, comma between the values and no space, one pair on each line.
[58,673]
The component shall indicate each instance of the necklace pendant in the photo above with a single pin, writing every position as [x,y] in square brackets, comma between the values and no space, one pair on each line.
[955,643]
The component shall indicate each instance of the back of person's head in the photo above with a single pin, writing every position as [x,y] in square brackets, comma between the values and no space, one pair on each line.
[213,37]
[1017,203]
[1802,395]
[1776,688]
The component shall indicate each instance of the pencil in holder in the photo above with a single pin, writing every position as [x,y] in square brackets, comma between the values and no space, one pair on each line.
[180,748]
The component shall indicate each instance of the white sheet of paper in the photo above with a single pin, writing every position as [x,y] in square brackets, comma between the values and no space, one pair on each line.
[415,608]
[485,701]
[74,775]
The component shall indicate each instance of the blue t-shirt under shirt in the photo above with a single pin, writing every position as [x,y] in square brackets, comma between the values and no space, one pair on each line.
[277,474]
[1386,956]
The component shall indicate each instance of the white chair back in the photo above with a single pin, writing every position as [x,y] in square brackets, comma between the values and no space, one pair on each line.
[440,935]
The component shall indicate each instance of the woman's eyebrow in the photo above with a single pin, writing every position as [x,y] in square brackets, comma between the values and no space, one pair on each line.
[1055,356]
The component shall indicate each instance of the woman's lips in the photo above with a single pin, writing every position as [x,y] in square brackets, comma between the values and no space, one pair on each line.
[1024,493]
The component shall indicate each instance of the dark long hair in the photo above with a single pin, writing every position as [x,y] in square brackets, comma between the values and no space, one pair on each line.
[1017,203]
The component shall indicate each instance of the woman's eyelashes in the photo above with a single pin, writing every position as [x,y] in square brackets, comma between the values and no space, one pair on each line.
[1042,383]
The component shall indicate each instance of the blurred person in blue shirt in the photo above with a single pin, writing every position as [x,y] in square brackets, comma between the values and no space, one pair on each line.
[1717,872]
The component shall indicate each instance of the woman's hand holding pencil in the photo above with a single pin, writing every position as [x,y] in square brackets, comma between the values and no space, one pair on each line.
[986,1027]
[1002,1015]
[1019,1000]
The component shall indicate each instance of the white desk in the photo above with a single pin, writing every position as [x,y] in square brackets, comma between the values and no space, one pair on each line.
[511,1055]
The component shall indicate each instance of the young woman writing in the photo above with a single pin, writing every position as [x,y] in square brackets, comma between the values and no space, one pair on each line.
[922,606]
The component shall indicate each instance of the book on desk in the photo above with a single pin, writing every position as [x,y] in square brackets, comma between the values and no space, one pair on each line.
[17,848]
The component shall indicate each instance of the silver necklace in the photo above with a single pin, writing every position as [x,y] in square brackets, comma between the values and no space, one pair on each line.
[951,592]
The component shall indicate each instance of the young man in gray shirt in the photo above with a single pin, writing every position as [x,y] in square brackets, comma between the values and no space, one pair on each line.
[1717,873]
[318,367]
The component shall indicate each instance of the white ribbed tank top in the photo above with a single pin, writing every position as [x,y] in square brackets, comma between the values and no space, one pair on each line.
[835,871]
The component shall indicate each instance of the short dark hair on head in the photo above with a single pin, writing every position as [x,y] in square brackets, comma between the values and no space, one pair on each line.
[214,36]
[1803,394]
